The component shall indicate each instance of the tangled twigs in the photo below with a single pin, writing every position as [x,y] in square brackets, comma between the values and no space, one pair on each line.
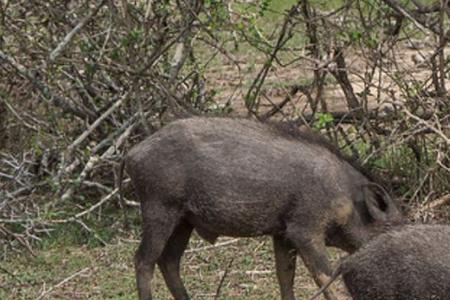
[278,107]
[94,159]
[105,74]
[428,125]
[94,125]
[67,155]
[418,21]
[55,53]
[90,209]
[283,37]
[43,88]
[6,232]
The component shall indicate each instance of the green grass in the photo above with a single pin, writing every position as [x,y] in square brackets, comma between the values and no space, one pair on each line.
[108,273]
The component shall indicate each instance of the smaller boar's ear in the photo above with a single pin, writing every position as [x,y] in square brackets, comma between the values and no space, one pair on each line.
[379,204]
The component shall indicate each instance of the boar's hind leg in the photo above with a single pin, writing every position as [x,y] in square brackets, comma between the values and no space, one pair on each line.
[285,258]
[313,253]
[169,262]
[159,221]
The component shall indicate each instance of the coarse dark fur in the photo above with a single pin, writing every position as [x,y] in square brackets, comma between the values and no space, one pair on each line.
[289,129]
[406,263]
[238,177]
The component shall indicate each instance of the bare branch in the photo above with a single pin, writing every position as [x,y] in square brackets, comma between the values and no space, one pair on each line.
[435,204]
[57,51]
[62,282]
[94,125]
[417,21]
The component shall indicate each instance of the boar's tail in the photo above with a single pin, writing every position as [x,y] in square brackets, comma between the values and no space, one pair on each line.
[335,275]
[121,200]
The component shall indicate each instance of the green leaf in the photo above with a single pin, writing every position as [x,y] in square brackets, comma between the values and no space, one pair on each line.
[322,119]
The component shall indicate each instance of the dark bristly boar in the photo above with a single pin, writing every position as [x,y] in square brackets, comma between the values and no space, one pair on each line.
[242,178]
[408,263]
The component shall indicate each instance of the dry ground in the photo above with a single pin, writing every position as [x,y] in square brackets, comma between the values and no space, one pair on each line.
[108,273]
[232,82]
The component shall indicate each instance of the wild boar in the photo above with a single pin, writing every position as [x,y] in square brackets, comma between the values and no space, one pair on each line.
[242,178]
[406,263]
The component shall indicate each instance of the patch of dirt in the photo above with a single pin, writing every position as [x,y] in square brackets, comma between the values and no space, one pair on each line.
[232,83]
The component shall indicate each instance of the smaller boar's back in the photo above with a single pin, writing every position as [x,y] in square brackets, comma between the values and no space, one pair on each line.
[409,263]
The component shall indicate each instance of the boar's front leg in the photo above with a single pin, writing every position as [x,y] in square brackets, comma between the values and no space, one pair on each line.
[285,258]
[312,250]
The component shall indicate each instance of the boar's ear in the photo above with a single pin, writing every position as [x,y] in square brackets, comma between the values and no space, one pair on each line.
[379,204]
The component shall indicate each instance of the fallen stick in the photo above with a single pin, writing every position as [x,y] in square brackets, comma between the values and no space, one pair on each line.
[62,282]
[226,243]
[444,200]
[222,279]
